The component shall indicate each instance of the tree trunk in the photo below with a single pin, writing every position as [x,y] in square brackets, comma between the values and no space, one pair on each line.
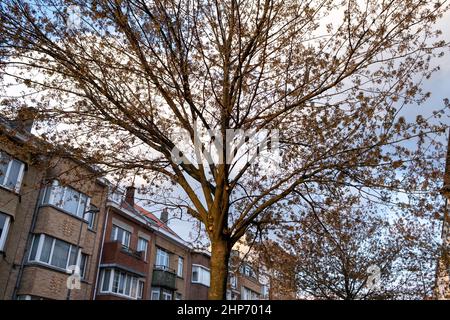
[220,255]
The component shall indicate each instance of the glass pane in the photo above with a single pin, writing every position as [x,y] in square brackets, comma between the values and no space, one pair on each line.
[195,274]
[83,265]
[140,289]
[128,285]
[71,199]
[2,223]
[13,175]
[126,239]
[114,233]
[4,161]
[90,217]
[34,247]
[60,254]
[82,206]
[133,287]
[162,259]
[106,279]
[119,235]
[142,246]
[56,196]
[73,256]
[180,267]
[155,295]
[121,282]
[116,281]
[46,249]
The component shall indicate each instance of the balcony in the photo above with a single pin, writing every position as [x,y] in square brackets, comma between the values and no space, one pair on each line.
[115,253]
[164,277]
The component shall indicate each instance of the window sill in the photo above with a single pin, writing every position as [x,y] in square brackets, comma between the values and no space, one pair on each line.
[16,192]
[108,293]
[66,213]
[201,284]
[52,268]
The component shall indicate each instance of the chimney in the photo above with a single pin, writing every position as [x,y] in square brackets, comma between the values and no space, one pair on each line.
[129,195]
[25,118]
[164,216]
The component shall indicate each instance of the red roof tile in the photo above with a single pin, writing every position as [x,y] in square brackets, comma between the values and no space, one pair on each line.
[158,222]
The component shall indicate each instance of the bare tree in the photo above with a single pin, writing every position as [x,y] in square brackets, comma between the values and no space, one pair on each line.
[351,251]
[117,81]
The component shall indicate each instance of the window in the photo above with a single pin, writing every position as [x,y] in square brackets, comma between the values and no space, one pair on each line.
[233,281]
[90,217]
[180,267]
[155,294]
[83,265]
[106,277]
[265,291]
[142,247]
[11,172]
[248,294]
[4,226]
[200,275]
[69,200]
[121,283]
[162,259]
[56,253]
[121,235]
[178,296]
[140,288]
[28,297]
[167,296]
[248,271]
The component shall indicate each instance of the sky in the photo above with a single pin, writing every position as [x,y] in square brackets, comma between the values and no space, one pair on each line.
[438,85]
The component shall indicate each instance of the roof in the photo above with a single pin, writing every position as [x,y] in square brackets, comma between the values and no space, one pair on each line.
[147,214]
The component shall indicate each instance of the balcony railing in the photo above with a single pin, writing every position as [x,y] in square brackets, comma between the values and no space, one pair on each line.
[164,277]
[115,253]
[131,252]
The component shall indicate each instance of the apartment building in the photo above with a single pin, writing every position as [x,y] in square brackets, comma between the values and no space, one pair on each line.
[142,258]
[199,274]
[243,279]
[64,234]
[51,214]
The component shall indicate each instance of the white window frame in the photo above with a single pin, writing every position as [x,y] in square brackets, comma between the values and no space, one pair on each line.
[249,294]
[134,293]
[202,278]
[51,200]
[4,235]
[157,292]
[165,256]
[233,281]
[139,249]
[167,294]
[265,291]
[114,235]
[37,258]
[4,179]
[180,267]
[140,289]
